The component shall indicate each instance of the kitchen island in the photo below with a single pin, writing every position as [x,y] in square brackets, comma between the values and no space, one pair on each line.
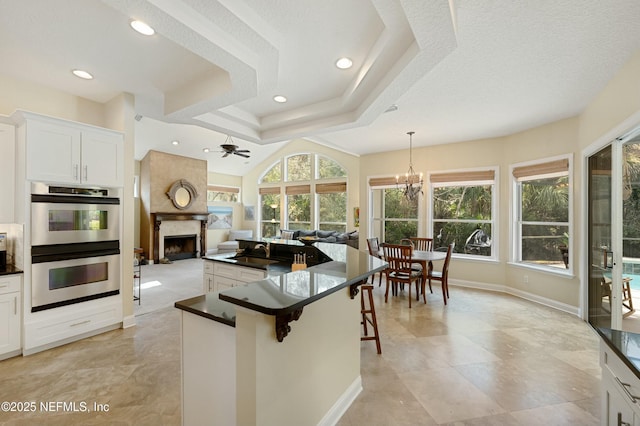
[282,350]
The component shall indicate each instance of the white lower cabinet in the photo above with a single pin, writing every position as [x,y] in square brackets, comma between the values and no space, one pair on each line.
[219,276]
[10,315]
[620,391]
[54,327]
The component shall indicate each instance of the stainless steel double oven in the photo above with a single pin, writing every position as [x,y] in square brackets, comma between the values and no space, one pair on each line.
[75,244]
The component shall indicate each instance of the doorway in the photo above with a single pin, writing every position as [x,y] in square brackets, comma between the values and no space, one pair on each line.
[614,234]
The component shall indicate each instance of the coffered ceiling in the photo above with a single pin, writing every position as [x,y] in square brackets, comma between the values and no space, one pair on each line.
[449,70]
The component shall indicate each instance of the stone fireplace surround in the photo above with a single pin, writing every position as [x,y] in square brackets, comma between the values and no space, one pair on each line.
[168,224]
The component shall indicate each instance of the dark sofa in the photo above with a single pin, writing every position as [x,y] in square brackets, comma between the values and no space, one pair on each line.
[349,238]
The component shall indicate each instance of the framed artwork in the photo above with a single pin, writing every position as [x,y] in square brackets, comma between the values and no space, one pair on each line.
[249,213]
[220,217]
[356,216]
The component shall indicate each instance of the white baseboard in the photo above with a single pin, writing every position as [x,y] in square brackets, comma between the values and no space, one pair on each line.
[573,310]
[342,404]
[129,321]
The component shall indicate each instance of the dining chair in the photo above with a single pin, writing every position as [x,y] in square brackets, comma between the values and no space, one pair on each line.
[373,245]
[442,276]
[423,244]
[398,256]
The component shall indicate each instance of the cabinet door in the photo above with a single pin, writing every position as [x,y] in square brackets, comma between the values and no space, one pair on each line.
[207,285]
[223,283]
[9,322]
[618,407]
[53,152]
[101,158]
[7,172]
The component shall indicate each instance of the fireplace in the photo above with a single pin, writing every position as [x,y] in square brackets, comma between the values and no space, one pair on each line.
[171,219]
[177,247]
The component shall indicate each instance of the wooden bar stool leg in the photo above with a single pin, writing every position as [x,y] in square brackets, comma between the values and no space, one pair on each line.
[369,316]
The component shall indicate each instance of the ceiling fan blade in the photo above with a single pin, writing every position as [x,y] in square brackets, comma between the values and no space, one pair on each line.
[225,154]
[241,154]
[242,150]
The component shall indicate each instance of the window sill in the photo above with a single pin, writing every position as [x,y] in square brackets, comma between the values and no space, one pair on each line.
[481,259]
[557,272]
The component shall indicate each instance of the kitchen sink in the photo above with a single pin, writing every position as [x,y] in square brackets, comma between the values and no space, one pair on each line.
[255,260]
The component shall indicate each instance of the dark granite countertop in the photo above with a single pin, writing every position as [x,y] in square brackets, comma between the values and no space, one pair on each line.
[10,270]
[283,292]
[211,307]
[625,344]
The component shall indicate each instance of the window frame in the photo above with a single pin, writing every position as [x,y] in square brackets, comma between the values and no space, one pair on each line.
[515,257]
[372,219]
[475,179]
[211,188]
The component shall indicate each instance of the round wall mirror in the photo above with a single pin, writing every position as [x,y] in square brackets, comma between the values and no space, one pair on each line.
[182,194]
[182,197]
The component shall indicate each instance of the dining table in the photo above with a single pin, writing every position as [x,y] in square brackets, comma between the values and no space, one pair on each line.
[424,258]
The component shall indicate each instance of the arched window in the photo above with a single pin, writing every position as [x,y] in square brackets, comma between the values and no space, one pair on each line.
[273,175]
[328,168]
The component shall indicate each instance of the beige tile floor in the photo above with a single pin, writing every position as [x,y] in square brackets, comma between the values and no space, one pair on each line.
[485,359]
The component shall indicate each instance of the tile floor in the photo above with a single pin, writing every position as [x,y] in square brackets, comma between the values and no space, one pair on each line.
[485,359]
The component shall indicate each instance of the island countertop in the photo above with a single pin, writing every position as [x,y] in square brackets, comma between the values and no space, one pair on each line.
[283,293]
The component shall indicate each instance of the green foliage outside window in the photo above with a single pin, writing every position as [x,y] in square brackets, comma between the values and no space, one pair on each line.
[230,197]
[299,211]
[299,167]
[270,217]
[458,211]
[545,220]
[333,211]
[327,168]
[631,201]
[274,174]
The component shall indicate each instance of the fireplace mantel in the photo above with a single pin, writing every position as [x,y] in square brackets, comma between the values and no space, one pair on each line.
[157,218]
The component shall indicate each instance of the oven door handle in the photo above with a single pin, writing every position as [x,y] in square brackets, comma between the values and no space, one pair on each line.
[73,199]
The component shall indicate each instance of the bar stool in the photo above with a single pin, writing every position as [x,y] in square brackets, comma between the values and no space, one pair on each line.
[369,316]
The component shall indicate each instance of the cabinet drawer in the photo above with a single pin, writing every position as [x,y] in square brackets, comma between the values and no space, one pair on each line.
[220,269]
[65,327]
[10,283]
[208,267]
[248,275]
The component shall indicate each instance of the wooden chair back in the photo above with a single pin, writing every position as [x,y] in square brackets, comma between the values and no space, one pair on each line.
[422,244]
[374,246]
[398,256]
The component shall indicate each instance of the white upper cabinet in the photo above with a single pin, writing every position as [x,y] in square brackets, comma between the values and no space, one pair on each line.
[7,172]
[63,152]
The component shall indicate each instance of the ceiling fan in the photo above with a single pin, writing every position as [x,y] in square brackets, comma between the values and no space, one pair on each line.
[230,148]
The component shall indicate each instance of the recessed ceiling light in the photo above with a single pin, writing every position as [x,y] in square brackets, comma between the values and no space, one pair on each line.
[205,149]
[82,74]
[280,99]
[344,63]
[175,142]
[142,28]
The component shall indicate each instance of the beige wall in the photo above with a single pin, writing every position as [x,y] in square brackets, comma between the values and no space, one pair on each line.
[17,94]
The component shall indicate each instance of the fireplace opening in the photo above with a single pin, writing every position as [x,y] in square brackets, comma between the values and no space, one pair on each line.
[177,247]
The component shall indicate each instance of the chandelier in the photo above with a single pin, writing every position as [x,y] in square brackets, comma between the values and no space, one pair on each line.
[412,185]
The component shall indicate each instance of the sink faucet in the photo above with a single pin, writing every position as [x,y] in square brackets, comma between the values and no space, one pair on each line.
[266,247]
